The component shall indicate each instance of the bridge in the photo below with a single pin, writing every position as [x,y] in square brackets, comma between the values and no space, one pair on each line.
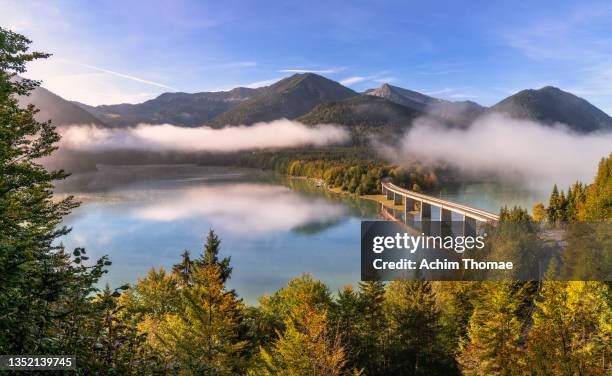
[422,204]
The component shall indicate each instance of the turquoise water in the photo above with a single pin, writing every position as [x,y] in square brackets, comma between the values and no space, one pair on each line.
[273,228]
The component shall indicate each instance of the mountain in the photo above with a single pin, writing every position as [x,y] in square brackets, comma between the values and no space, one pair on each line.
[56,108]
[183,109]
[364,115]
[288,98]
[405,97]
[551,105]
[363,110]
[460,113]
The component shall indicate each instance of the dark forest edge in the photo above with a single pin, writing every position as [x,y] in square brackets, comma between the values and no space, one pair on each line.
[186,321]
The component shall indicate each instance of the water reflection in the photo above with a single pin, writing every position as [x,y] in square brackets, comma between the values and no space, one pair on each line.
[247,209]
[272,227]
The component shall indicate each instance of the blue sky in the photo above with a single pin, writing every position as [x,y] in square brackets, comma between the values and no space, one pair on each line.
[129,51]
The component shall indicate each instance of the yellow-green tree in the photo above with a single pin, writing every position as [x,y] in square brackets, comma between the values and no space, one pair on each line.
[572,330]
[538,212]
[598,201]
[307,347]
[492,343]
[202,337]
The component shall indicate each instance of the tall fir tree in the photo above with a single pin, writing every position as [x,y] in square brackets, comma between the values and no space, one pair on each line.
[373,328]
[41,285]
[492,345]
[415,344]
[554,205]
[210,255]
[572,330]
[202,337]
[183,269]
[308,346]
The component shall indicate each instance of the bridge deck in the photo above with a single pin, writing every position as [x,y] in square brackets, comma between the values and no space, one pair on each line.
[465,210]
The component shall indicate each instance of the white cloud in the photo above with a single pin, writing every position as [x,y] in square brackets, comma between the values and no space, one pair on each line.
[353,80]
[276,134]
[256,84]
[541,155]
[380,77]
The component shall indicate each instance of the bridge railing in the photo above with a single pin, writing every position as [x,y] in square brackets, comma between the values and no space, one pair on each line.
[445,206]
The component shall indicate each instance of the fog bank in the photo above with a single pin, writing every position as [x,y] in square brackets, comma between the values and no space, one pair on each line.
[166,137]
[541,155]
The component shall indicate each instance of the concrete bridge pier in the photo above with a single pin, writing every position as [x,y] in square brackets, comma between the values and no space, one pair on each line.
[425,211]
[445,215]
[410,202]
[469,226]
[397,199]
[390,194]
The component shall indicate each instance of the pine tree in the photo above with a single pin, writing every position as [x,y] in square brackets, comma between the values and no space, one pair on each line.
[554,205]
[183,269]
[598,200]
[40,284]
[346,316]
[374,331]
[415,344]
[492,343]
[572,329]
[307,347]
[210,255]
[455,299]
[202,337]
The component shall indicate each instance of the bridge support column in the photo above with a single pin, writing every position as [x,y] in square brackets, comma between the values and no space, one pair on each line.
[410,202]
[445,215]
[397,199]
[390,195]
[425,211]
[469,226]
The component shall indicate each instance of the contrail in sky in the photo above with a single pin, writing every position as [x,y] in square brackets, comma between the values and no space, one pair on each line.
[125,76]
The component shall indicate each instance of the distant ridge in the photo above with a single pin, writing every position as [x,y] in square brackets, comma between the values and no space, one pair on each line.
[405,97]
[57,109]
[312,98]
[288,98]
[363,110]
[551,105]
[183,109]
[459,113]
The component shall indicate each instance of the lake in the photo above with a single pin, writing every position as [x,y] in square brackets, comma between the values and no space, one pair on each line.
[273,227]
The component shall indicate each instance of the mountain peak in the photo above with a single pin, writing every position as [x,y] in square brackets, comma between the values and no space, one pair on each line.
[289,98]
[550,105]
[405,97]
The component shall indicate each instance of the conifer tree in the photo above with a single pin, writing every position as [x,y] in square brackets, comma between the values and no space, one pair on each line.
[41,285]
[183,269]
[415,344]
[308,347]
[572,330]
[374,330]
[210,255]
[346,316]
[494,330]
[598,197]
[554,205]
[202,337]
